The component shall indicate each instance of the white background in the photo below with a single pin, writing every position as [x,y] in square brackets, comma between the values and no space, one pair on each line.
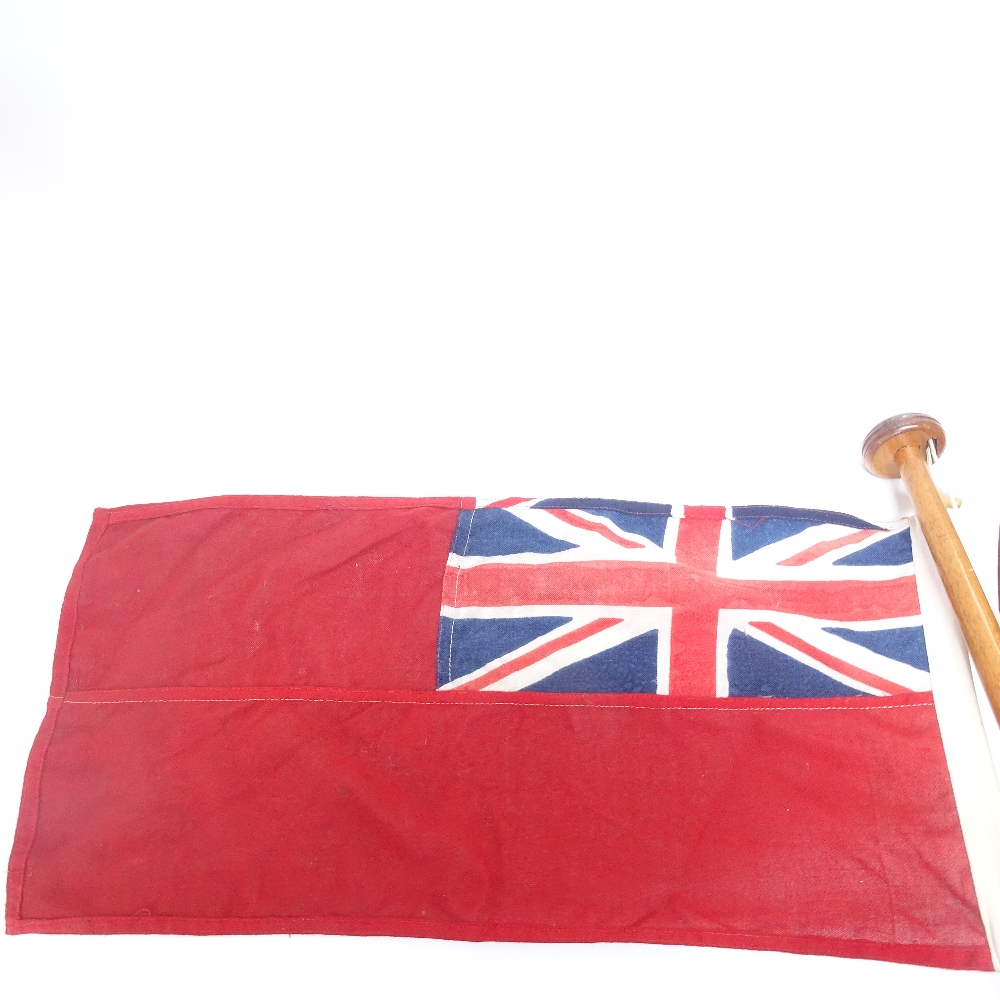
[682,252]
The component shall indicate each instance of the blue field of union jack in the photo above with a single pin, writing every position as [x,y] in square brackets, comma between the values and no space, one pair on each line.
[596,595]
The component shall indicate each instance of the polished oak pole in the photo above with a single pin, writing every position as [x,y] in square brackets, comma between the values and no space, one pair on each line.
[897,448]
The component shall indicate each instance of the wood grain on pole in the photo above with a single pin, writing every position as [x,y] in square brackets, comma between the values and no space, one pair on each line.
[896,448]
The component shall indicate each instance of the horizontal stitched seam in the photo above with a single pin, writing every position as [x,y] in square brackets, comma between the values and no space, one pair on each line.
[514,704]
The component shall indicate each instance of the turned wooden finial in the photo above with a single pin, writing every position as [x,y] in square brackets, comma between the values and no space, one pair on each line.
[898,448]
[884,442]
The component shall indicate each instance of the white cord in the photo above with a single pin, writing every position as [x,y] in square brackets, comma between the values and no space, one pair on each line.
[932,457]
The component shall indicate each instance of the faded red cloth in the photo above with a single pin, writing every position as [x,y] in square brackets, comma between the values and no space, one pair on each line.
[244,736]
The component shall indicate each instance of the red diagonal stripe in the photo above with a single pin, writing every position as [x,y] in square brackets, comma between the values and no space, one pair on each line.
[821,548]
[600,529]
[509,502]
[518,663]
[841,666]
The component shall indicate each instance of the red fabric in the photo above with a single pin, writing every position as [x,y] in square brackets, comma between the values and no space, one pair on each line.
[196,774]
[202,593]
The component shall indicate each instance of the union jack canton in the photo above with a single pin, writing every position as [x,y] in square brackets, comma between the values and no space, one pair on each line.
[593,595]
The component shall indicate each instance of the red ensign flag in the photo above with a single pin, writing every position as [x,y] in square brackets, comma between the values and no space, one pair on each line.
[526,719]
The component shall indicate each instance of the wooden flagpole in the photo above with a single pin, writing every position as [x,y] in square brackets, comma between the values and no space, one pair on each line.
[902,447]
